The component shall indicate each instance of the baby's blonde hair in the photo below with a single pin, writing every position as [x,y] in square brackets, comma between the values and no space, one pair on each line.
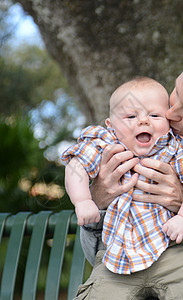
[134,83]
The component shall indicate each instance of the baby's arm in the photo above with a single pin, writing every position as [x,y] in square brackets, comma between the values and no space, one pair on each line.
[174,227]
[77,186]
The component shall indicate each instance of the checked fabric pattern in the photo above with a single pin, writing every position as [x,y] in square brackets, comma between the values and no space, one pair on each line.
[132,230]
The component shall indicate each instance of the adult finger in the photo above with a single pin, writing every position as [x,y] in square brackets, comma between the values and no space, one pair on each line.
[148,187]
[109,151]
[163,188]
[156,199]
[157,165]
[127,186]
[123,168]
[166,201]
[149,173]
[116,160]
[119,158]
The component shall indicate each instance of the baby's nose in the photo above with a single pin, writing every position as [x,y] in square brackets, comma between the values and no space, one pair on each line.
[143,121]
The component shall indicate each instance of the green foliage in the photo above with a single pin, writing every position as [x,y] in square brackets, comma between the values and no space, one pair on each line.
[6,30]
[19,151]
[30,83]
[15,87]
[19,155]
[27,76]
[22,162]
[28,79]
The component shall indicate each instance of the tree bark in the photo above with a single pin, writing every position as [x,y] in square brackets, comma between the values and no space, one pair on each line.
[99,44]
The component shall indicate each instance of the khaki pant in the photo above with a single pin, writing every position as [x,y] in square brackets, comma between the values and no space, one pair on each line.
[164,279]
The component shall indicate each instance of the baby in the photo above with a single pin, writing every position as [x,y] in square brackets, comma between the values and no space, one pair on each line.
[133,232]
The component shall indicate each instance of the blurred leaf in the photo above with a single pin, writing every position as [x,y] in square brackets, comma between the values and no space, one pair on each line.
[28,76]
[19,151]
[6,28]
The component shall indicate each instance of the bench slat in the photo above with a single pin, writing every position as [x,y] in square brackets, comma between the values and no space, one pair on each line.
[57,254]
[34,256]
[77,267]
[40,227]
[3,217]
[12,256]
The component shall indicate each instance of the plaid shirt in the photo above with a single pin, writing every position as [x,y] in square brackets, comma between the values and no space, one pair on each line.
[132,231]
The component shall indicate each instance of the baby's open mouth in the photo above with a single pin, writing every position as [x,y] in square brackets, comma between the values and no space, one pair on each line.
[144,137]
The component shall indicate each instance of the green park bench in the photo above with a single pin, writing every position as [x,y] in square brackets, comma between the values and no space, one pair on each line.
[39,227]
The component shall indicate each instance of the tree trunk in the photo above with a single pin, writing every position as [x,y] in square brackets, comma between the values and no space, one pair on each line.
[101,43]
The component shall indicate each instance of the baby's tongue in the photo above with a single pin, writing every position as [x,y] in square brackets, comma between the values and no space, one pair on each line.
[144,137]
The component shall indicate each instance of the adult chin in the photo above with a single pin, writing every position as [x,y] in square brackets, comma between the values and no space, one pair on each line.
[177,127]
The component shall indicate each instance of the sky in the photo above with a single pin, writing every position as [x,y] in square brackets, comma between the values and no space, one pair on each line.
[26,30]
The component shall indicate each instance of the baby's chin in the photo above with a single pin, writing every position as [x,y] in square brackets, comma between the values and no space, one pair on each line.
[140,152]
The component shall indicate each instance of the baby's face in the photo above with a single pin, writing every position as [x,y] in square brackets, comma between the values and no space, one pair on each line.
[138,116]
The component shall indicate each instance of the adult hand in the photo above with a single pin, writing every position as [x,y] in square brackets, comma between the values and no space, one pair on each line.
[167,192]
[106,187]
[175,113]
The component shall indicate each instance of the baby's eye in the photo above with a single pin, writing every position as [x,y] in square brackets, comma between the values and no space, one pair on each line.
[131,116]
[154,115]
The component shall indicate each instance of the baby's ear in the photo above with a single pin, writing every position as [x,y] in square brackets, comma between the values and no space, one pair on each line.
[108,122]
